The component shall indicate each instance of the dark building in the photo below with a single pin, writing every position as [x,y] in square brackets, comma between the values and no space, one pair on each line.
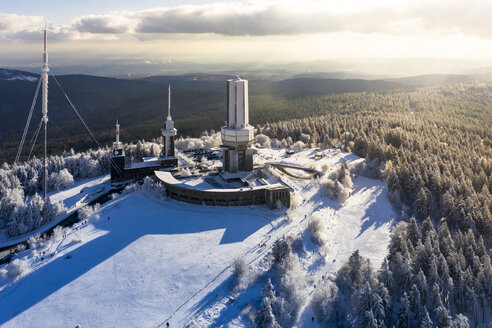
[120,171]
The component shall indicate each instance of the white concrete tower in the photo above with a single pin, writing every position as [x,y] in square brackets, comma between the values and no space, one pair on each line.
[44,107]
[169,132]
[237,134]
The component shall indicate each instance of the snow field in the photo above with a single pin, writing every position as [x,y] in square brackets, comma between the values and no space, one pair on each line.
[134,269]
[158,261]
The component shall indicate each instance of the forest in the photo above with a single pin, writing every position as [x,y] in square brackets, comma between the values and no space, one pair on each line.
[433,147]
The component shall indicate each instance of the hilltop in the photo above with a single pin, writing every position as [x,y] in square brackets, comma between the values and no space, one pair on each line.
[142,260]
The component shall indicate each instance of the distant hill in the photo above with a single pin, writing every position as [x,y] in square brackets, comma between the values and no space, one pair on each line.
[16,75]
[439,79]
[140,105]
[313,86]
[191,81]
[338,75]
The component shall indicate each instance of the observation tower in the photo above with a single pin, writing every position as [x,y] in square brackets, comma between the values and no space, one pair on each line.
[237,134]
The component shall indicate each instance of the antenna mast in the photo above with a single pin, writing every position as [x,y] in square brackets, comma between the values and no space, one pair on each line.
[117,133]
[44,107]
[169,102]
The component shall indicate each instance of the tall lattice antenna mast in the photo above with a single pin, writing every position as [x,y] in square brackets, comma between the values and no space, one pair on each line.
[44,107]
[169,103]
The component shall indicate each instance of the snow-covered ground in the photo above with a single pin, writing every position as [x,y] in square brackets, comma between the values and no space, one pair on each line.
[146,262]
[73,198]
[80,190]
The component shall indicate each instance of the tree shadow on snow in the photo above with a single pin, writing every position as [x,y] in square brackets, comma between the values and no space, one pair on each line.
[123,229]
[375,214]
[234,303]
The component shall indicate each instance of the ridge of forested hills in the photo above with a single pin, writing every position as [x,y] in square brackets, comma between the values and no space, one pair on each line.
[312,86]
[438,79]
[140,105]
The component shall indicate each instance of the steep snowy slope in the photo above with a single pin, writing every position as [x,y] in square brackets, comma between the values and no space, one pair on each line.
[363,223]
[146,262]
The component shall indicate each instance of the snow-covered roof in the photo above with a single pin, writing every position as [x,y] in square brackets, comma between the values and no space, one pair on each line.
[236,79]
[201,184]
[140,165]
[156,158]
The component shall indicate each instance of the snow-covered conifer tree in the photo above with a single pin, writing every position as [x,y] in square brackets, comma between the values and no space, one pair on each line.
[367,320]
[421,260]
[369,301]
[386,303]
[413,232]
[421,283]
[442,318]
[49,211]
[460,321]
[416,304]
[426,321]
[266,315]
[402,272]
[421,205]
[281,249]
[445,240]
[405,314]
[35,207]
[386,276]
[427,229]
[436,299]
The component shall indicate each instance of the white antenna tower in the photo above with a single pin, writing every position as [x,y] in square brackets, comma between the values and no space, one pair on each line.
[169,103]
[117,133]
[44,106]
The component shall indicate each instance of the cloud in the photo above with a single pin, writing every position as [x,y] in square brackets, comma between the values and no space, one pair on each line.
[259,18]
[272,18]
[10,22]
[265,18]
[105,24]
[454,16]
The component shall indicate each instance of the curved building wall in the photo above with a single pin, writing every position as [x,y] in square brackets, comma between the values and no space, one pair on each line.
[269,195]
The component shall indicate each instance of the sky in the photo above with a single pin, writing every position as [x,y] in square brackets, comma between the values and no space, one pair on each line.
[266,31]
